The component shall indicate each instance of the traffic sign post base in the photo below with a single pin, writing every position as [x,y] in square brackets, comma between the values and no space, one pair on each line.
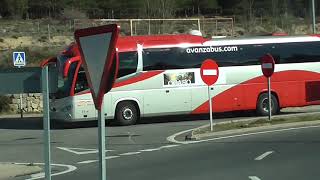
[102,145]
[269,97]
[210,109]
[21,108]
[46,123]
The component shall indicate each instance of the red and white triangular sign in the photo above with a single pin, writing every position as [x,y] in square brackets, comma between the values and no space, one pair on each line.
[97,47]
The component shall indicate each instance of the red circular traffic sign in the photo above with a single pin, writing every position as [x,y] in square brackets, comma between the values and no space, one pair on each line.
[267,65]
[209,72]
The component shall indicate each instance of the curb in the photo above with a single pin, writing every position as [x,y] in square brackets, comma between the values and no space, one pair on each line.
[11,170]
[7,116]
[194,136]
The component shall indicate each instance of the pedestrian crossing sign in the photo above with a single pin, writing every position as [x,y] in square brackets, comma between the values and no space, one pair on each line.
[19,59]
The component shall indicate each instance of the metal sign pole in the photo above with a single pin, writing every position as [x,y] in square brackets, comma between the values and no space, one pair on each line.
[210,107]
[102,144]
[46,122]
[269,97]
[313,17]
[21,112]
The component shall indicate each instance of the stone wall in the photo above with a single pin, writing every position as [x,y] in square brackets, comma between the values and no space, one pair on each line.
[31,103]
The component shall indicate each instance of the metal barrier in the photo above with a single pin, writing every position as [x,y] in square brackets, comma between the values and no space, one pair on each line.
[208,26]
[26,80]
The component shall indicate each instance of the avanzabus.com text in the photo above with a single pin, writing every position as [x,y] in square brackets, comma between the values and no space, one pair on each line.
[211,49]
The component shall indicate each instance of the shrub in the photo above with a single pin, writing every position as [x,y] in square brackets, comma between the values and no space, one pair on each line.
[43,39]
[4,103]
[1,40]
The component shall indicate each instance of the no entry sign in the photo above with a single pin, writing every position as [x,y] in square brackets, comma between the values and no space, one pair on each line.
[267,65]
[209,72]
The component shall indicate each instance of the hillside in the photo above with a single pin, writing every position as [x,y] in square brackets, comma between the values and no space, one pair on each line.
[44,38]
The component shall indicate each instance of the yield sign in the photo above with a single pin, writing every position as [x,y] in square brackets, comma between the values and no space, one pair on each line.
[97,49]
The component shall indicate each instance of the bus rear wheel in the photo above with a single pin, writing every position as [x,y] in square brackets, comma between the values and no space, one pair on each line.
[263,105]
[126,113]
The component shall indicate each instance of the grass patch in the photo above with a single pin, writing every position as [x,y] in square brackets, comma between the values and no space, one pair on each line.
[43,39]
[257,123]
[14,36]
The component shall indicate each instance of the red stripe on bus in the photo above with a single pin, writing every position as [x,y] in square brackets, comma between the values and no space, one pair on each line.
[290,87]
[140,77]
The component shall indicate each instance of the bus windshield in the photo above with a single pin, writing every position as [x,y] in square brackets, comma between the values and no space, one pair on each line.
[64,83]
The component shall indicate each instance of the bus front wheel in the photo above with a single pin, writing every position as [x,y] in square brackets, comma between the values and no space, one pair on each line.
[126,113]
[263,105]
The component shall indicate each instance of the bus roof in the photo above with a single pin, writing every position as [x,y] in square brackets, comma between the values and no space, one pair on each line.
[261,40]
[129,43]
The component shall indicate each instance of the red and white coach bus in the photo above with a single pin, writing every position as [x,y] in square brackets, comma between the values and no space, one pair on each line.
[159,75]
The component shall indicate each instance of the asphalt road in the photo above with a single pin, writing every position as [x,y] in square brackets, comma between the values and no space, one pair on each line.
[142,151]
[293,155]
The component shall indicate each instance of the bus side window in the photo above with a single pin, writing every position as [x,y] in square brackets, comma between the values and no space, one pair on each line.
[276,58]
[128,62]
[299,52]
[81,83]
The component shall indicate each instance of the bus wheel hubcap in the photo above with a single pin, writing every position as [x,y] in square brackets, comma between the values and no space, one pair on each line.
[127,114]
[265,105]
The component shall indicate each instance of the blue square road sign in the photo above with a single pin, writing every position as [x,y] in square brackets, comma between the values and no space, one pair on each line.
[19,59]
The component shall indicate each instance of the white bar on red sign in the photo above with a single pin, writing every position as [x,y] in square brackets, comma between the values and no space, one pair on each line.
[210,72]
[267,65]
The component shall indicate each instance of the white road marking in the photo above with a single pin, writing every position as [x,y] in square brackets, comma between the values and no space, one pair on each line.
[172,138]
[130,137]
[262,156]
[150,150]
[129,153]
[70,168]
[169,146]
[254,178]
[81,151]
[92,161]
[159,148]
[112,157]
[87,162]
[41,174]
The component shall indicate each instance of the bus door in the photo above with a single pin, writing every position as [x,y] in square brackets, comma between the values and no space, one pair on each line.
[61,103]
[223,98]
[170,92]
[228,92]
[172,98]
[84,106]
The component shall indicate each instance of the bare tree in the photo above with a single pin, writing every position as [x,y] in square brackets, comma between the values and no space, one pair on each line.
[275,12]
[159,8]
[250,5]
